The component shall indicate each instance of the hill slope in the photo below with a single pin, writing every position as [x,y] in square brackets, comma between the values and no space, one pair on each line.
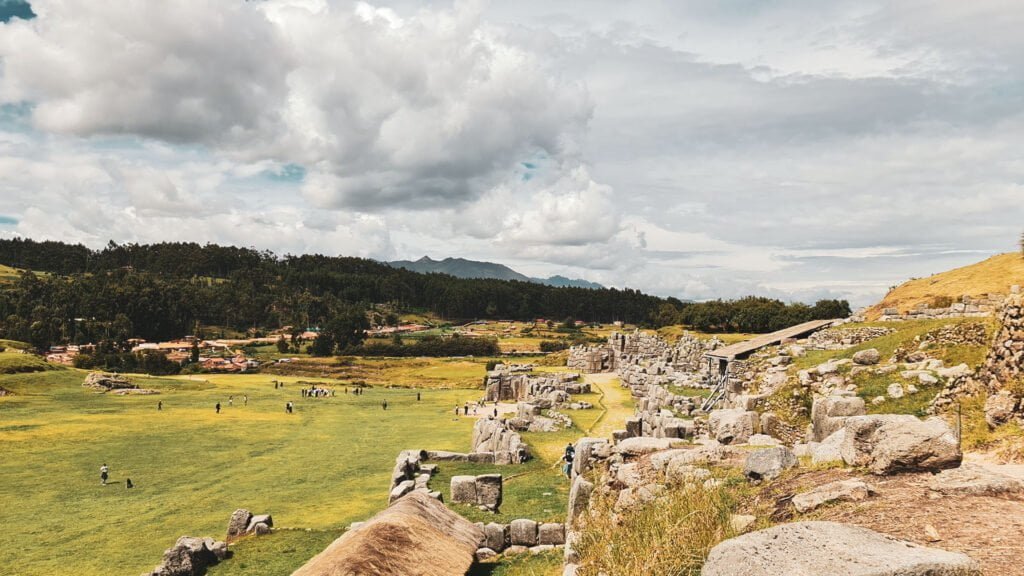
[462,268]
[994,275]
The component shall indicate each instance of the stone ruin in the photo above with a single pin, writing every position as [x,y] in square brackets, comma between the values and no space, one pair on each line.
[483,491]
[506,384]
[519,536]
[1001,377]
[495,437]
[113,383]
[968,307]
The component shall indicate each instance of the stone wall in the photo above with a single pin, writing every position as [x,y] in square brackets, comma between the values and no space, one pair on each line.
[968,307]
[505,385]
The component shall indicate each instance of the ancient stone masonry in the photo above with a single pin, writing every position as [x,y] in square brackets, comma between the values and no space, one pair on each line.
[968,307]
[190,556]
[495,437]
[514,383]
[1001,377]
[840,338]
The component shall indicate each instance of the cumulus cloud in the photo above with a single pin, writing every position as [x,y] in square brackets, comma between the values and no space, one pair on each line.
[419,111]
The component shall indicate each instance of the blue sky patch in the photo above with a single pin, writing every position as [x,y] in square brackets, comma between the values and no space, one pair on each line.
[8,220]
[11,9]
[287,173]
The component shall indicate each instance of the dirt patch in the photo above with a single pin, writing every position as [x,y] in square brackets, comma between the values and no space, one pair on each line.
[989,529]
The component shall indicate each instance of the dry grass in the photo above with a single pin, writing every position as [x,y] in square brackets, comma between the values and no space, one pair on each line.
[670,536]
[994,275]
[415,536]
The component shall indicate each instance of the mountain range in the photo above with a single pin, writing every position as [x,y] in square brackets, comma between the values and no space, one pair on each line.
[462,268]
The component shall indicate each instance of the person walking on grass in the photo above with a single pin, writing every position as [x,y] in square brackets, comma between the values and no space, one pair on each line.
[159,405]
[104,474]
[384,404]
[231,400]
[245,400]
[217,407]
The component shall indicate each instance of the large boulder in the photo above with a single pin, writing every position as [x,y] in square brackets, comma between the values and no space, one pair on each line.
[579,499]
[496,536]
[523,532]
[632,447]
[551,533]
[853,490]
[830,413]
[463,489]
[820,548]
[975,480]
[488,491]
[190,556]
[768,463]
[1000,408]
[889,443]
[733,426]
[867,357]
[238,523]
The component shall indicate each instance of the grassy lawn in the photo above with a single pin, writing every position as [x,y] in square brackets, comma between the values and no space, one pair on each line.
[400,372]
[321,468]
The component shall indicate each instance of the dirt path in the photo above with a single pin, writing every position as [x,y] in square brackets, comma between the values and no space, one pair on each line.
[989,529]
[616,401]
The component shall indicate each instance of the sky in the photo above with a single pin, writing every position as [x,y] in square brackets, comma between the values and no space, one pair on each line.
[791,148]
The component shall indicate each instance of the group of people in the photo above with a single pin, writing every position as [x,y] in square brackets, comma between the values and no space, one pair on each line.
[315,392]
[472,407]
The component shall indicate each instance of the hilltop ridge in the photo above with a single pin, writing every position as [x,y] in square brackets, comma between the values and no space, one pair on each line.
[993,275]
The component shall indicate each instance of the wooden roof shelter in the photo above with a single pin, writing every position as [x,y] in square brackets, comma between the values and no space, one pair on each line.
[745,348]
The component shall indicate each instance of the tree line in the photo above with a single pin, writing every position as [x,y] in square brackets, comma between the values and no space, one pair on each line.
[73,294]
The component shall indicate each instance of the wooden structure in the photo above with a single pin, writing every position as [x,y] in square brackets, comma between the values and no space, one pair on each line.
[720,359]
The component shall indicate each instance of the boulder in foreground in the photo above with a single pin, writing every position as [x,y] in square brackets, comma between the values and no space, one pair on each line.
[819,548]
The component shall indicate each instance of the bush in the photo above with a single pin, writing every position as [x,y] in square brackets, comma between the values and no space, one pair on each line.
[942,302]
[553,345]
[147,362]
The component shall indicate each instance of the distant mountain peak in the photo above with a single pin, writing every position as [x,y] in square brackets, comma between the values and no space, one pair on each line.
[463,268]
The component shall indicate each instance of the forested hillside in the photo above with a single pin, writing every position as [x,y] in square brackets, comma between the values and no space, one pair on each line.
[162,291]
[70,293]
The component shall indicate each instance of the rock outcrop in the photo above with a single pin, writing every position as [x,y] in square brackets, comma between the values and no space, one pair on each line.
[190,556]
[895,443]
[819,548]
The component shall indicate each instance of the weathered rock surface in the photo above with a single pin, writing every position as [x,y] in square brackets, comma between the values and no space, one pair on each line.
[853,490]
[579,499]
[768,463]
[867,357]
[238,523]
[733,426]
[830,413]
[190,556]
[889,443]
[523,532]
[551,533]
[976,480]
[832,549]
[631,447]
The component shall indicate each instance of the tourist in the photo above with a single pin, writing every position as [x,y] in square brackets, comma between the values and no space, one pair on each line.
[417,396]
[159,405]
[218,407]
[231,400]
[288,407]
[245,400]
[384,404]
[104,474]
[456,409]
[495,412]
[128,483]
[570,455]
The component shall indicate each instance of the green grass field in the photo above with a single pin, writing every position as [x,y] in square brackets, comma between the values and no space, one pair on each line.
[316,470]
[321,468]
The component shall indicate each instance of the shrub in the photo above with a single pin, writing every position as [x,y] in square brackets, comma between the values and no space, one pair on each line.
[942,302]
[553,345]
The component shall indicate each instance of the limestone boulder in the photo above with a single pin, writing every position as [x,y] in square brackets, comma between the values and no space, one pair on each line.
[496,536]
[1000,408]
[463,489]
[890,443]
[820,548]
[830,450]
[768,463]
[489,491]
[633,447]
[190,556]
[975,480]
[853,490]
[238,523]
[828,414]
[523,532]
[895,391]
[734,425]
[868,357]
[579,499]
[551,533]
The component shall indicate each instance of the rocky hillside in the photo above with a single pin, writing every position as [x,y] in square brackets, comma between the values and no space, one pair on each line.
[994,275]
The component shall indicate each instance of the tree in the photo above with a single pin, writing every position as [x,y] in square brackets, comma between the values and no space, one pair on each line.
[193,356]
[282,345]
